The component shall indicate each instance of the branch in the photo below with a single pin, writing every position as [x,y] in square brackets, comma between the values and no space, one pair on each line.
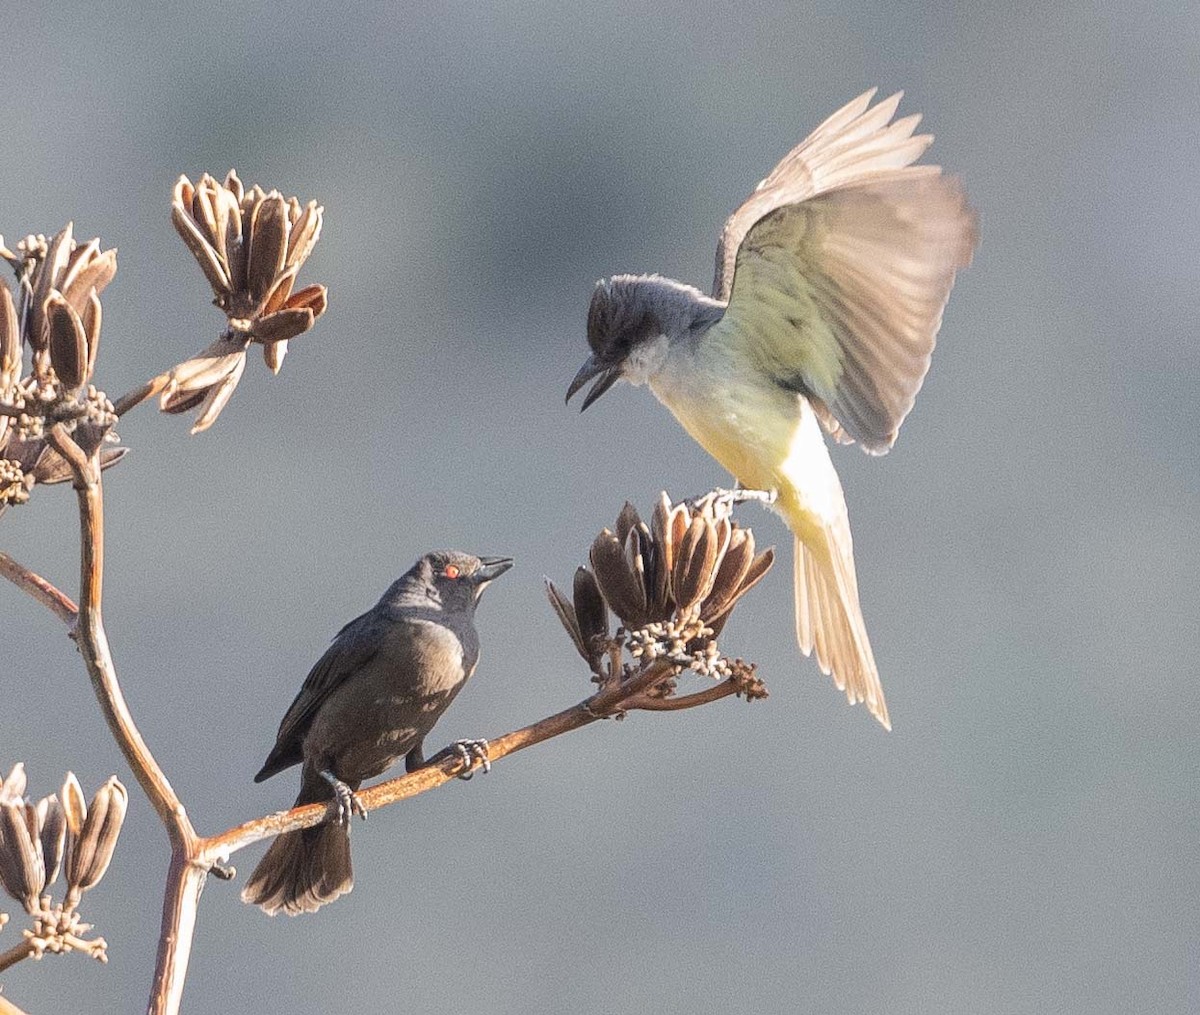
[93,642]
[137,396]
[439,770]
[41,590]
[8,1008]
[15,954]
[183,891]
[715,693]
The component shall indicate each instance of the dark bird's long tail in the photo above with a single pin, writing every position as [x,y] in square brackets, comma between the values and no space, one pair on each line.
[303,870]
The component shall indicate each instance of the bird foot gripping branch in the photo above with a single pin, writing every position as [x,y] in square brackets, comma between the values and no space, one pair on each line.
[724,501]
[472,751]
[673,585]
[348,803]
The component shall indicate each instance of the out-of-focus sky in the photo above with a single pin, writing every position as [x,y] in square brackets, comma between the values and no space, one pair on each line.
[1027,840]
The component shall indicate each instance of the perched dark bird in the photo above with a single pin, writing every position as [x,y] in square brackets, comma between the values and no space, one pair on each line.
[370,700]
[830,284]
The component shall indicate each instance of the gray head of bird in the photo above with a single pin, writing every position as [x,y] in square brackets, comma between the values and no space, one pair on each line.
[454,578]
[633,323]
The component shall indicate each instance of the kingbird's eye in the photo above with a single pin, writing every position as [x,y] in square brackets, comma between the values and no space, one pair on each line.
[451,571]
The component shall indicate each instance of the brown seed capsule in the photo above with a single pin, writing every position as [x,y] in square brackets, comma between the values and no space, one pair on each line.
[52,830]
[73,804]
[13,786]
[10,343]
[22,872]
[90,852]
[267,245]
[622,588]
[68,344]
[590,610]
[566,615]
[695,555]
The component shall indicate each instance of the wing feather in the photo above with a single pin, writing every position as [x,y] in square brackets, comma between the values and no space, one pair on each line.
[353,647]
[838,266]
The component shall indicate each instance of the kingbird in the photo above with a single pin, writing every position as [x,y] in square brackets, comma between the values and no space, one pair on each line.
[830,283]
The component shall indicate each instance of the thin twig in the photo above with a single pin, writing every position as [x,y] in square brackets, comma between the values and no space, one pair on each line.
[138,395]
[8,1008]
[715,693]
[437,772]
[17,953]
[41,590]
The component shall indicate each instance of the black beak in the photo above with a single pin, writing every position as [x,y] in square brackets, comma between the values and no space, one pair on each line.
[491,569]
[609,374]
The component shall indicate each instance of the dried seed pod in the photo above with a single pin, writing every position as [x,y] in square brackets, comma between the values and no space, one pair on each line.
[68,344]
[52,830]
[267,245]
[44,279]
[622,589]
[566,615]
[591,614]
[74,275]
[13,786]
[184,220]
[692,576]
[22,872]
[250,245]
[209,377]
[586,618]
[590,607]
[305,231]
[10,343]
[88,272]
[90,852]
[727,583]
[627,521]
[73,804]
[283,325]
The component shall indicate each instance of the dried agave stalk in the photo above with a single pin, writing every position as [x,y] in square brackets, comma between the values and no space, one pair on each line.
[250,245]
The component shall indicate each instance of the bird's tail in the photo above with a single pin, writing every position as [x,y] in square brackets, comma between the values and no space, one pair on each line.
[303,870]
[828,616]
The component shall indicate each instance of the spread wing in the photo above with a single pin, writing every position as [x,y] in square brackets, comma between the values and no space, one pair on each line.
[838,266]
[354,646]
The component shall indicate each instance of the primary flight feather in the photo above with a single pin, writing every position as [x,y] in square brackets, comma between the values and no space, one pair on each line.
[830,283]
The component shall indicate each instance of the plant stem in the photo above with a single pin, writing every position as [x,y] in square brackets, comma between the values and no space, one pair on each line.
[41,590]
[15,954]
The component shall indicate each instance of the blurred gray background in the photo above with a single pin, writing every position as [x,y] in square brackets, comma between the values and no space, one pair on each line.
[1027,838]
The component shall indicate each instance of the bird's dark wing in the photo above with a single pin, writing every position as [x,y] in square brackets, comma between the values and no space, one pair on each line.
[837,268]
[355,645]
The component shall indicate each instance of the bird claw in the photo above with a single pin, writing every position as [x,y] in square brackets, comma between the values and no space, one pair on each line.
[723,501]
[348,803]
[469,752]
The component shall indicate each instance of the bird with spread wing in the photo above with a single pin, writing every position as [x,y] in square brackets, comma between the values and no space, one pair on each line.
[830,283]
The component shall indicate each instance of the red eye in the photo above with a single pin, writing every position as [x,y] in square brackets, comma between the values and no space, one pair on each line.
[451,571]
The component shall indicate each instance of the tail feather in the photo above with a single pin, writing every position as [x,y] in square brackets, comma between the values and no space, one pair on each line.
[303,870]
[829,620]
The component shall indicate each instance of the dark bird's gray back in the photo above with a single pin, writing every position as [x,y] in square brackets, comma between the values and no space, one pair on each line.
[370,700]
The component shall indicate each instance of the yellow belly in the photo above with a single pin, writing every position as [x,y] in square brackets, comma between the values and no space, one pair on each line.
[768,439]
[745,426]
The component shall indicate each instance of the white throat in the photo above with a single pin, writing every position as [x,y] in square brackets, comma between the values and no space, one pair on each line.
[644,363]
